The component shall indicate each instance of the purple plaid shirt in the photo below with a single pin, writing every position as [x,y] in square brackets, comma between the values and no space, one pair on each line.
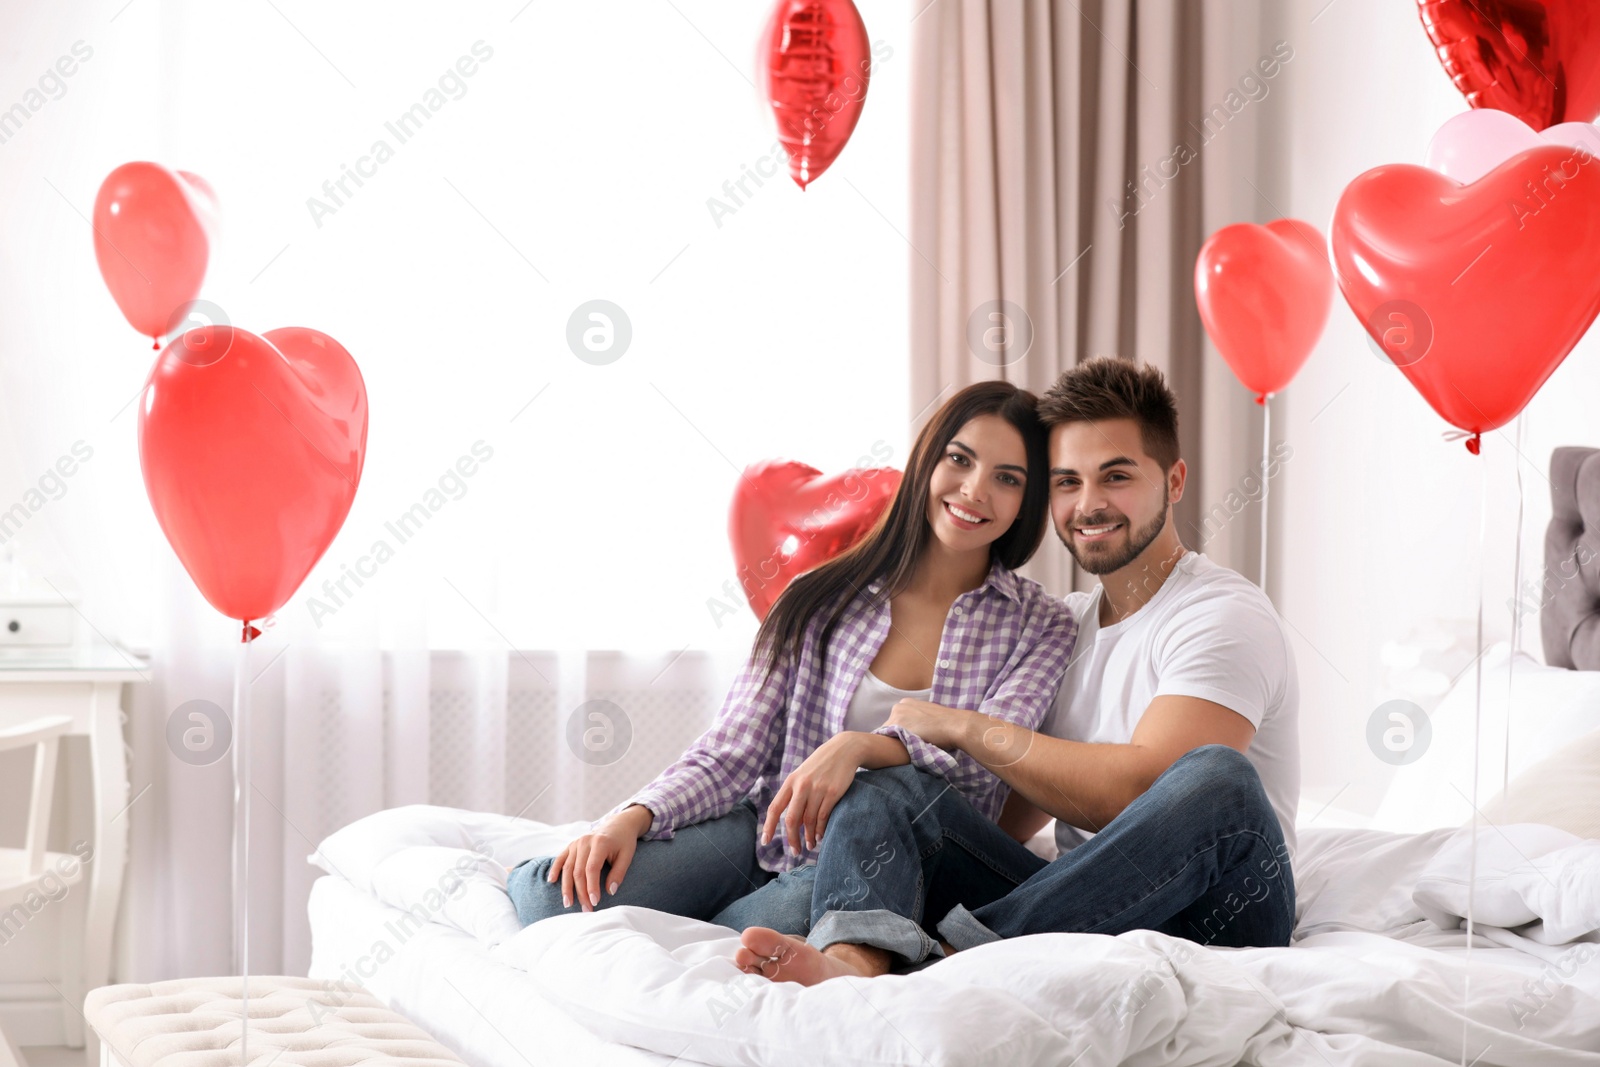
[1003,652]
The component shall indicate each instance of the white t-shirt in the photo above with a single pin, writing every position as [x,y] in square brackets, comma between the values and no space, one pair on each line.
[1208,632]
[873,700]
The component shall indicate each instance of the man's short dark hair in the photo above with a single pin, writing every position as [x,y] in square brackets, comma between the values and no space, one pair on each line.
[1109,387]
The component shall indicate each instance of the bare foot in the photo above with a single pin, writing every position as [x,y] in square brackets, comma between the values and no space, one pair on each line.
[784,958]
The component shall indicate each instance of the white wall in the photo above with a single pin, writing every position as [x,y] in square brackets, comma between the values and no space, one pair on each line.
[1379,519]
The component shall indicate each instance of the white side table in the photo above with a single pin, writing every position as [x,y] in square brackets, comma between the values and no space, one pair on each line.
[84,682]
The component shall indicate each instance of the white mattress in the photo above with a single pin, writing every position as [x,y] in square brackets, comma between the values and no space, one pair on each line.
[1375,978]
[445,981]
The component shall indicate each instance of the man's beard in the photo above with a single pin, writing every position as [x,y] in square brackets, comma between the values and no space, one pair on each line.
[1138,540]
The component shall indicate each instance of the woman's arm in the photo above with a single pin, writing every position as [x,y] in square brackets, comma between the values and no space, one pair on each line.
[807,796]
[612,842]
[723,764]
[881,750]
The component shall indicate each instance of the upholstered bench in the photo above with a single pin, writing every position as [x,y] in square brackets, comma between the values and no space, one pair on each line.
[195,1022]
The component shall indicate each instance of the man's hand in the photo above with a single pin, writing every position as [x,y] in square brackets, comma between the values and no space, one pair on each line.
[808,795]
[934,723]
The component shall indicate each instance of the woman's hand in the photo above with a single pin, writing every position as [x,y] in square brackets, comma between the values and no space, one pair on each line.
[614,842]
[809,793]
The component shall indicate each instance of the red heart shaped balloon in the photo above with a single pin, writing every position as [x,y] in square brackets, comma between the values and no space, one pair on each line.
[1537,59]
[816,64]
[1477,292]
[787,518]
[1264,294]
[252,448]
[153,232]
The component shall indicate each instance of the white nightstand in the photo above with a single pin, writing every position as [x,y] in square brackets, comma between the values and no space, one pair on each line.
[83,684]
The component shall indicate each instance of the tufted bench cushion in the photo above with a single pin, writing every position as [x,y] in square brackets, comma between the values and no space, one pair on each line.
[195,1022]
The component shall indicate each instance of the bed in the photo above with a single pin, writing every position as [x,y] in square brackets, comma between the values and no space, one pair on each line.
[413,907]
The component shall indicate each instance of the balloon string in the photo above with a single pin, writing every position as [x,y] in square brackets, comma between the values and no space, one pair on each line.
[1266,453]
[241,834]
[1477,716]
[1516,617]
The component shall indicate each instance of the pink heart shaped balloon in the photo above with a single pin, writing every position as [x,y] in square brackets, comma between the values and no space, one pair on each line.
[1471,144]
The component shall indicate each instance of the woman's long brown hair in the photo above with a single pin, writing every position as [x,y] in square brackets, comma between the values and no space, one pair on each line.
[891,549]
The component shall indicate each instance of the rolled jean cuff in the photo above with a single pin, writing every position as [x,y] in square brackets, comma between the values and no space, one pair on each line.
[961,930]
[879,928]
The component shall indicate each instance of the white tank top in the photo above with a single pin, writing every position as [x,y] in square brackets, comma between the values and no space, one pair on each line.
[873,700]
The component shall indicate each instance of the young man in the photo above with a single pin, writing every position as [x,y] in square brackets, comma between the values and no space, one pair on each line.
[1170,759]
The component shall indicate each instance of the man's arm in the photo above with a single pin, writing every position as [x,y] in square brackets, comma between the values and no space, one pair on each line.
[1089,784]
[1021,694]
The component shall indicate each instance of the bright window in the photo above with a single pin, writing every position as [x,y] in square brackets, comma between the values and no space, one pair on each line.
[446,225]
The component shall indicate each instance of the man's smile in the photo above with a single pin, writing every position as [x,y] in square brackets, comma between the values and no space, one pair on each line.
[1096,533]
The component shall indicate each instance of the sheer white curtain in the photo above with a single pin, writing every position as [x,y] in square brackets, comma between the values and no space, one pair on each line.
[594,152]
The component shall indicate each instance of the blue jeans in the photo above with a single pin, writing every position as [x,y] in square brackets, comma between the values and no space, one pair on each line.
[705,871]
[1199,855]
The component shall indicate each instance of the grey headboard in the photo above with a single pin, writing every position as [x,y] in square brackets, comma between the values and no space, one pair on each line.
[1570,613]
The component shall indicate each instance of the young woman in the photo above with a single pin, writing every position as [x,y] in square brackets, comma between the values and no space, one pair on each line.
[925,607]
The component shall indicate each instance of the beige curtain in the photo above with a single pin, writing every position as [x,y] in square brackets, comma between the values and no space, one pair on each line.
[1068,160]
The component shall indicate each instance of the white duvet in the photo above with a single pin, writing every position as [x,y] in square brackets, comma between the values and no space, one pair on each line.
[1379,973]
[1142,998]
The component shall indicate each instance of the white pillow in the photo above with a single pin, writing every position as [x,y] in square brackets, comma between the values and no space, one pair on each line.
[1526,873]
[1550,707]
[354,851]
[1346,879]
[1561,790]
[454,886]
